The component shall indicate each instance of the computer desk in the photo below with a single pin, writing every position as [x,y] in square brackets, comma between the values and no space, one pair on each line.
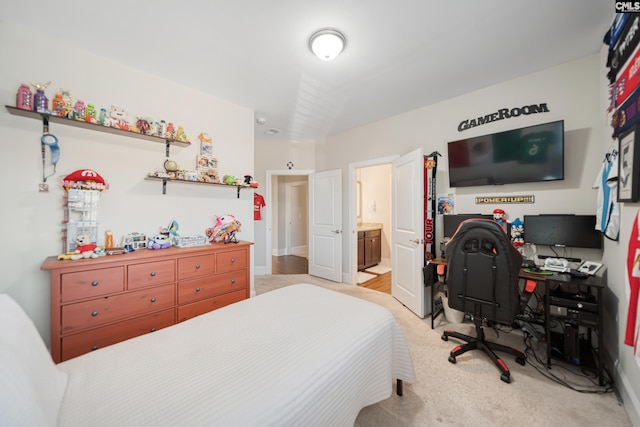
[572,311]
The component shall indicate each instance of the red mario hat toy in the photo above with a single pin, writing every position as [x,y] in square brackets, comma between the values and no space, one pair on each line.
[84,179]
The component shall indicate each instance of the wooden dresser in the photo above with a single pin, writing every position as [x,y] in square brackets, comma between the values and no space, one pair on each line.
[99,302]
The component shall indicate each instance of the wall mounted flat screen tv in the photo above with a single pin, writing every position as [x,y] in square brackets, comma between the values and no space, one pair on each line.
[529,154]
[573,231]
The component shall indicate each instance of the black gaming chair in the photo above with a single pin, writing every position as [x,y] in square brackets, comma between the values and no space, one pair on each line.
[482,280]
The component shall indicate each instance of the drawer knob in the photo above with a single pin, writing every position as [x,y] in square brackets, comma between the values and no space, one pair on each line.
[94,283]
[233,281]
[197,289]
[94,314]
[153,299]
[153,330]
[233,260]
[197,266]
[153,274]
[95,347]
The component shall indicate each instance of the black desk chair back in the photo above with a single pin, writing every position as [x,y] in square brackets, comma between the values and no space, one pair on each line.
[482,281]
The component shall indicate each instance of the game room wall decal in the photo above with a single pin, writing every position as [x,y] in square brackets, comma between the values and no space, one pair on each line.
[503,113]
[486,200]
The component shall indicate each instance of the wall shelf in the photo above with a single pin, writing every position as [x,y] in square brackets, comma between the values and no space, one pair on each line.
[165,180]
[46,118]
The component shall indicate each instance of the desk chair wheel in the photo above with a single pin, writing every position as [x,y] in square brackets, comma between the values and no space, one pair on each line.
[506,377]
[452,359]
[520,360]
[444,337]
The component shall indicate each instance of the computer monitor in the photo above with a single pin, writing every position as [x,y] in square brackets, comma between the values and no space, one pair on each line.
[450,223]
[575,231]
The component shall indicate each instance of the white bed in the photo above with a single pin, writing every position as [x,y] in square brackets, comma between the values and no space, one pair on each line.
[301,355]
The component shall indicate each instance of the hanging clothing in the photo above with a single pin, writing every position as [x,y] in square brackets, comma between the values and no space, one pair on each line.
[258,204]
[608,209]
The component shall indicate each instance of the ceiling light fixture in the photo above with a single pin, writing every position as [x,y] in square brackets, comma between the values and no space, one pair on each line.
[327,43]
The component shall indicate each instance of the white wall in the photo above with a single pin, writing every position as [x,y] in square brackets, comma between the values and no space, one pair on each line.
[33,221]
[574,92]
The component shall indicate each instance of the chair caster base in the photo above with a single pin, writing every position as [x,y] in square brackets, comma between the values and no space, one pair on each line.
[505,377]
[521,360]
[452,359]
[444,337]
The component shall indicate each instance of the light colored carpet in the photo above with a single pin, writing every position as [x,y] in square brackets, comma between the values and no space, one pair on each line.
[378,269]
[364,277]
[470,392]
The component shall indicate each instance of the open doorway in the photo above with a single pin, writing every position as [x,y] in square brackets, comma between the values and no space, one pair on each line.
[371,214]
[287,222]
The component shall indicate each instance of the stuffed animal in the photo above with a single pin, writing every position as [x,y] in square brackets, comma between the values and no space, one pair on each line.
[117,118]
[224,230]
[159,241]
[85,248]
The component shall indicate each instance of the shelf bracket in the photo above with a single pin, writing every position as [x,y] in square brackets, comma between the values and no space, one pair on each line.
[167,150]
[238,192]
[164,186]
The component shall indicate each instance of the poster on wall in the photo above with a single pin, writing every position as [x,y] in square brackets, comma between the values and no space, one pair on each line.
[446,204]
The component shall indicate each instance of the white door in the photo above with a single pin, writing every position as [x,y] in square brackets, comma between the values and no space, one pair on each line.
[407,226]
[325,225]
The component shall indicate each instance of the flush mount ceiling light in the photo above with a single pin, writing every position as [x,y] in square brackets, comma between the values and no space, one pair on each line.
[327,43]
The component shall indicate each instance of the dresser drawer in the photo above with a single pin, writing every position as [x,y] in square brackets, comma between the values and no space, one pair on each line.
[196,266]
[232,260]
[91,283]
[197,289]
[150,274]
[84,342]
[196,308]
[89,314]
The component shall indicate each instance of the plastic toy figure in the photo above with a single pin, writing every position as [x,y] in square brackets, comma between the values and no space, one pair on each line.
[500,217]
[40,101]
[57,105]
[24,99]
[90,114]
[80,110]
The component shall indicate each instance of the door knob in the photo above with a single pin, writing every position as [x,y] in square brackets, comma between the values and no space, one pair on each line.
[416,241]
[336,231]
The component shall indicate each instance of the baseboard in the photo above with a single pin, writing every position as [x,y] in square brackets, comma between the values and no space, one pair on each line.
[278,252]
[300,251]
[629,399]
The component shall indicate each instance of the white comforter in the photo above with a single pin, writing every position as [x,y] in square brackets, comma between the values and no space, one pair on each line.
[298,356]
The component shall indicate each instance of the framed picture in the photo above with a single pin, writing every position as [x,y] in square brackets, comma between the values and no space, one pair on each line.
[589,267]
[629,166]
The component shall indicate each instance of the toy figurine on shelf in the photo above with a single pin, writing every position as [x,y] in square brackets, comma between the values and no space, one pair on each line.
[500,217]
[40,101]
[102,118]
[117,118]
[57,105]
[80,110]
[143,125]
[517,233]
[90,114]
[24,99]
[170,133]
[181,135]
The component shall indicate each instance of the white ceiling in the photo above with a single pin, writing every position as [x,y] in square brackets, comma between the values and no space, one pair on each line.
[400,55]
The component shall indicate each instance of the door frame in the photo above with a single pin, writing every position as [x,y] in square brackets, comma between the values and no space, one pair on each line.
[352,269]
[269,208]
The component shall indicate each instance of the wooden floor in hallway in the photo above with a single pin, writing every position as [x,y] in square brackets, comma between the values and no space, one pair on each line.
[381,283]
[289,264]
[292,264]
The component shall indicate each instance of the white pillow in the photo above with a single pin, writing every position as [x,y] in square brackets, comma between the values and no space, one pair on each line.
[31,386]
